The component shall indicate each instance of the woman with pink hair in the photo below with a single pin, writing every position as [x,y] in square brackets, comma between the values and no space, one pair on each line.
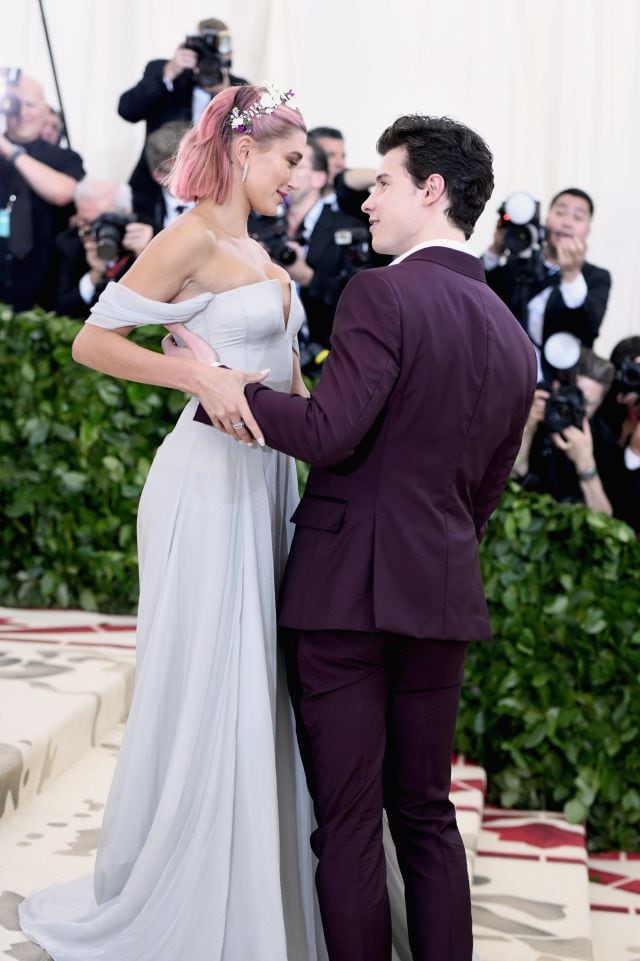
[204,851]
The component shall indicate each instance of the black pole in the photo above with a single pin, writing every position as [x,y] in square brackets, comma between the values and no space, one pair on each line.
[55,73]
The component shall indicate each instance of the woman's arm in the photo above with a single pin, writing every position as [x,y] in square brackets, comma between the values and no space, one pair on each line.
[162,272]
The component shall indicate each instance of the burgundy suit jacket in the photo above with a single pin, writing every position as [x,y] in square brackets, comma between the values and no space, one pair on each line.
[411,433]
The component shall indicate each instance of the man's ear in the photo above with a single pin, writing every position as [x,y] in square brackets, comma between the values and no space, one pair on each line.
[434,188]
[319,179]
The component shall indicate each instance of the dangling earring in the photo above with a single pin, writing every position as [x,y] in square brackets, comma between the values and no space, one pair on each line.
[245,171]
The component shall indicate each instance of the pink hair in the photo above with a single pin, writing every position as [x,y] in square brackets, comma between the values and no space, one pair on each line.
[202,166]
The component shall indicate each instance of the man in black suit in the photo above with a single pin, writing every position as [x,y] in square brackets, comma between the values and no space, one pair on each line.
[322,267]
[173,90]
[37,183]
[159,149]
[572,294]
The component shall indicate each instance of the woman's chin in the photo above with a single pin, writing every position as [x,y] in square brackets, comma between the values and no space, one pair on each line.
[266,207]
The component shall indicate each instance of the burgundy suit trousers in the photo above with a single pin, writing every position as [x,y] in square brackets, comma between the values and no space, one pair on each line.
[375,717]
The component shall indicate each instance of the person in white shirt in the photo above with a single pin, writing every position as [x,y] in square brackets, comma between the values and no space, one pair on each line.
[178,89]
[572,294]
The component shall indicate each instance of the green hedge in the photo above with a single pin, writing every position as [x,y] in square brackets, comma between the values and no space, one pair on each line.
[550,707]
[75,448]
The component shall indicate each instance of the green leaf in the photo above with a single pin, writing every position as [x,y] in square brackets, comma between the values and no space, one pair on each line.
[575,812]
[73,480]
[558,605]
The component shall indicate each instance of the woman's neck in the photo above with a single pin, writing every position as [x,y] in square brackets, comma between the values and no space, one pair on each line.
[230,217]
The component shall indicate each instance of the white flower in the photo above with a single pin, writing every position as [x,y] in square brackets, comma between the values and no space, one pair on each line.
[268,102]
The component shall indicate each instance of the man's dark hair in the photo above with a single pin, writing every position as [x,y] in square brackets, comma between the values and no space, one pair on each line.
[596,368]
[331,132]
[439,145]
[629,347]
[161,145]
[318,157]
[575,192]
[212,23]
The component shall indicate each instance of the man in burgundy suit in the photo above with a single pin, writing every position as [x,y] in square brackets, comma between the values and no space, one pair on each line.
[411,434]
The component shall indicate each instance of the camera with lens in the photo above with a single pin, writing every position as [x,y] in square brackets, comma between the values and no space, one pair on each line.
[628,376]
[271,232]
[10,105]
[357,243]
[565,407]
[522,232]
[108,232]
[213,49]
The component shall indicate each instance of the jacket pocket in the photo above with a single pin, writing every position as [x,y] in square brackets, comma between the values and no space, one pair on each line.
[320,513]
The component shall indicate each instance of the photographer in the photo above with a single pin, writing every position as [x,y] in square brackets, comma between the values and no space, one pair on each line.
[617,434]
[322,265]
[179,89]
[159,149]
[551,287]
[101,246]
[52,130]
[349,186]
[557,452]
[37,182]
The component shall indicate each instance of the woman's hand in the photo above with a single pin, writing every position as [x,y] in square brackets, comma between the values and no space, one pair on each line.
[193,347]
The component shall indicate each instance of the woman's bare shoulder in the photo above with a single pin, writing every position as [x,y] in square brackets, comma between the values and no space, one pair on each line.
[172,260]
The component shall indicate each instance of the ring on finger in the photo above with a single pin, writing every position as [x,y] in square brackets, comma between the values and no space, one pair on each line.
[239,425]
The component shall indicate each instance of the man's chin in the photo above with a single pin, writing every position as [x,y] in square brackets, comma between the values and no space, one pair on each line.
[379,245]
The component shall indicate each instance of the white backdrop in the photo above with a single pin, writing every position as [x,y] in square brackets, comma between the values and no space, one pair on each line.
[552,85]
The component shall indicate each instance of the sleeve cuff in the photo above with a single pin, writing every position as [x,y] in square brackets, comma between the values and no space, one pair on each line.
[575,292]
[631,460]
[87,290]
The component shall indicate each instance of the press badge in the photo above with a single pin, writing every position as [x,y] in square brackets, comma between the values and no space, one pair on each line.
[5,219]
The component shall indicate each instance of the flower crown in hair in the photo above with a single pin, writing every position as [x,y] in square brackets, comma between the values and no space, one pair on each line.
[271,99]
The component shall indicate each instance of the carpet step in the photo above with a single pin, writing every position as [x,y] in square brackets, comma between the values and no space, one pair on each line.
[530,893]
[53,839]
[66,678]
[615,906]
[468,789]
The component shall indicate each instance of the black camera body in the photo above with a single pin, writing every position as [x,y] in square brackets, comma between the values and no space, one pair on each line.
[10,105]
[271,232]
[565,407]
[522,232]
[357,243]
[108,232]
[213,49]
[628,376]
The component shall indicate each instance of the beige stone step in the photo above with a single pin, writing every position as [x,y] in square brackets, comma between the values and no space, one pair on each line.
[66,678]
[530,894]
[615,906]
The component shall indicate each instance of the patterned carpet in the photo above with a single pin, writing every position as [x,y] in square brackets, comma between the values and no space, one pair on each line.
[66,679]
